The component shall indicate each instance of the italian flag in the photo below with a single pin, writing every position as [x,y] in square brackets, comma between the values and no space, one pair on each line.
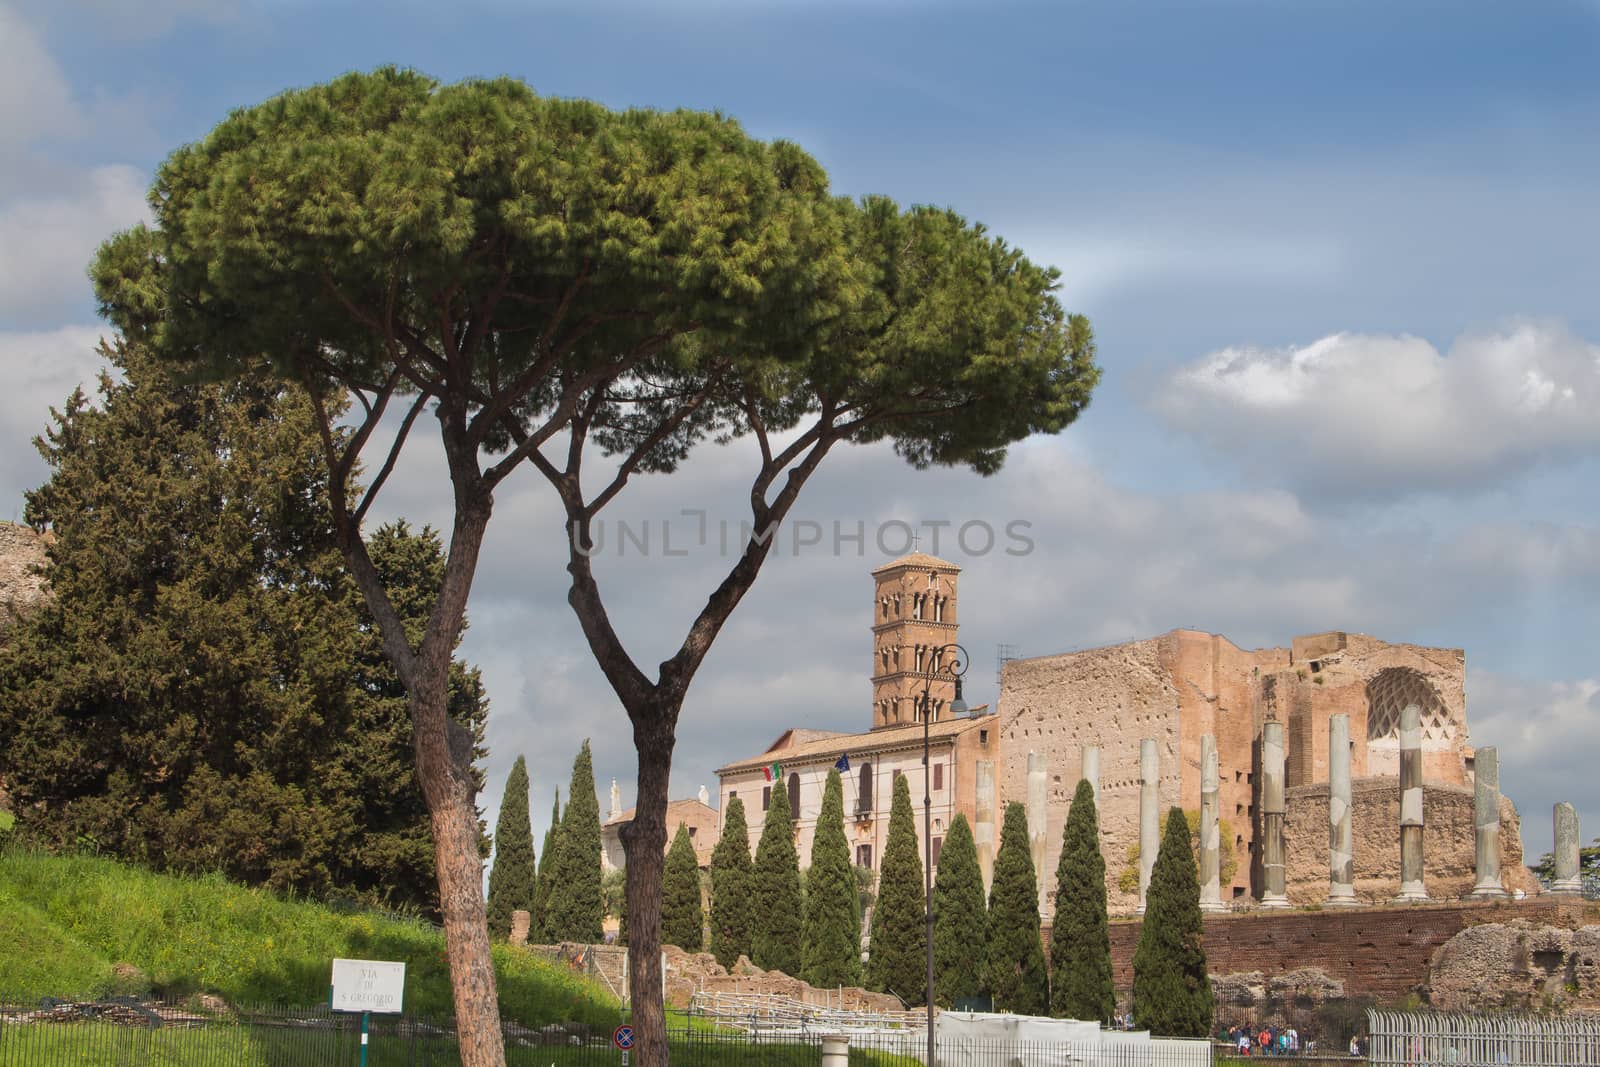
[773,771]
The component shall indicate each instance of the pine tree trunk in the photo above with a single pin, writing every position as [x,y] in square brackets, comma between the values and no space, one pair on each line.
[444,770]
[645,842]
[466,935]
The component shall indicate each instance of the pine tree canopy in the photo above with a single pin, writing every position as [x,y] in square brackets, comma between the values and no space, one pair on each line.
[682,917]
[1080,936]
[1171,989]
[533,269]
[1015,962]
[831,939]
[960,919]
[575,909]
[898,947]
[513,878]
[730,888]
[776,905]
[204,690]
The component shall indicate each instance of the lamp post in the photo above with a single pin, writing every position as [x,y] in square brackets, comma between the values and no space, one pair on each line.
[937,671]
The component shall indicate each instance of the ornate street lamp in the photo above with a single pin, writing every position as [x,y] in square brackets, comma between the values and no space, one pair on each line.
[937,670]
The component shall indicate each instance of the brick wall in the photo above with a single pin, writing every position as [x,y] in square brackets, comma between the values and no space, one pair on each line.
[1380,952]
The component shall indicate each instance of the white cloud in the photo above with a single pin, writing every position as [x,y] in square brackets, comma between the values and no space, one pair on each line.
[1096,265]
[41,370]
[1547,734]
[1536,551]
[1377,415]
[35,99]
[48,239]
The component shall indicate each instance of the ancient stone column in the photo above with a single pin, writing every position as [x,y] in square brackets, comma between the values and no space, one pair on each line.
[1341,833]
[520,921]
[1486,823]
[1091,771]
[1411,887]
[1210,833]
[983,820]
[1274,889]
[1149,813]
[1038,798]
[1567,879]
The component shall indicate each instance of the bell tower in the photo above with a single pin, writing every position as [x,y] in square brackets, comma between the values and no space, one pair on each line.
[913,613]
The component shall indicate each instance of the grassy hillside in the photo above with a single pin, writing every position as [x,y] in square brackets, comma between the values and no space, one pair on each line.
[80,926]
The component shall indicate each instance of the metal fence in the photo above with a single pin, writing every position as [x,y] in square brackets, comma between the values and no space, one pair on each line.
[1424,1039]
[123,1032]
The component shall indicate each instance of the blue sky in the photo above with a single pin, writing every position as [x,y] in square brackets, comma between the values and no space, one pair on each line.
[1342,261]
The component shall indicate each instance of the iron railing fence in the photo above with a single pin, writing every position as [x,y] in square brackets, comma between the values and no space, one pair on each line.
[1428,1039]
[123,1032]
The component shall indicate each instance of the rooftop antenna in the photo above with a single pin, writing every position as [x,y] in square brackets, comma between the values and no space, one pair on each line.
[1004,654]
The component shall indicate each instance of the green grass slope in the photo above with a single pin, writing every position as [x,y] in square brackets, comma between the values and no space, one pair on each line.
[73,926]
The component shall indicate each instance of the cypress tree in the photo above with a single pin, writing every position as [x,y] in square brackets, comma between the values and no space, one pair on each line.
[775,901]
[1015,962]
[513,879]
[898,962]
[577,905]
[730,888]
[1080,937]
[541,929]
[831,939]
[959,918]
[683,920]
[1171,990]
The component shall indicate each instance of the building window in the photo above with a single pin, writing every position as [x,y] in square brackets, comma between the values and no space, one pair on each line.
[691,833]
[938,776]
[766,797]
[864,798]
[794,796]
[983,737]
[864,856]
[938,844]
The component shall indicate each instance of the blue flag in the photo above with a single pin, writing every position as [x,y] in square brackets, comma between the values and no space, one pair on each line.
[843,762]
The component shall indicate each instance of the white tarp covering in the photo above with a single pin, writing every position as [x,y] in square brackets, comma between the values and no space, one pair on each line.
[980,1039]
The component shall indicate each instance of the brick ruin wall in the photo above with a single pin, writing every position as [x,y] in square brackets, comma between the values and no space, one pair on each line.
[1448,846]
[1111,697]
[1378,952]
[22,553]
[1187,683]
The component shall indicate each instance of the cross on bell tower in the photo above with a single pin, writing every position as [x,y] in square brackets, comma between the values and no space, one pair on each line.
[914,612]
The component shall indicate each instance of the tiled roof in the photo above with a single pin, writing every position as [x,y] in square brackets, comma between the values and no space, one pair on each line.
[831,747]
[917,559]
[674,807]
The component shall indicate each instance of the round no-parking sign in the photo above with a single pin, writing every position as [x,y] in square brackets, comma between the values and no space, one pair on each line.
[622,1037]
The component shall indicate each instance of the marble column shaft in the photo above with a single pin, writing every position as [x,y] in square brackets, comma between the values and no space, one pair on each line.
[1567,879]
[1273,809]
[1341,832]
[983,820]
[1038,799]
[1411,863]
[1149,813]
[1091,771]
[1210,833]
[1486,824]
